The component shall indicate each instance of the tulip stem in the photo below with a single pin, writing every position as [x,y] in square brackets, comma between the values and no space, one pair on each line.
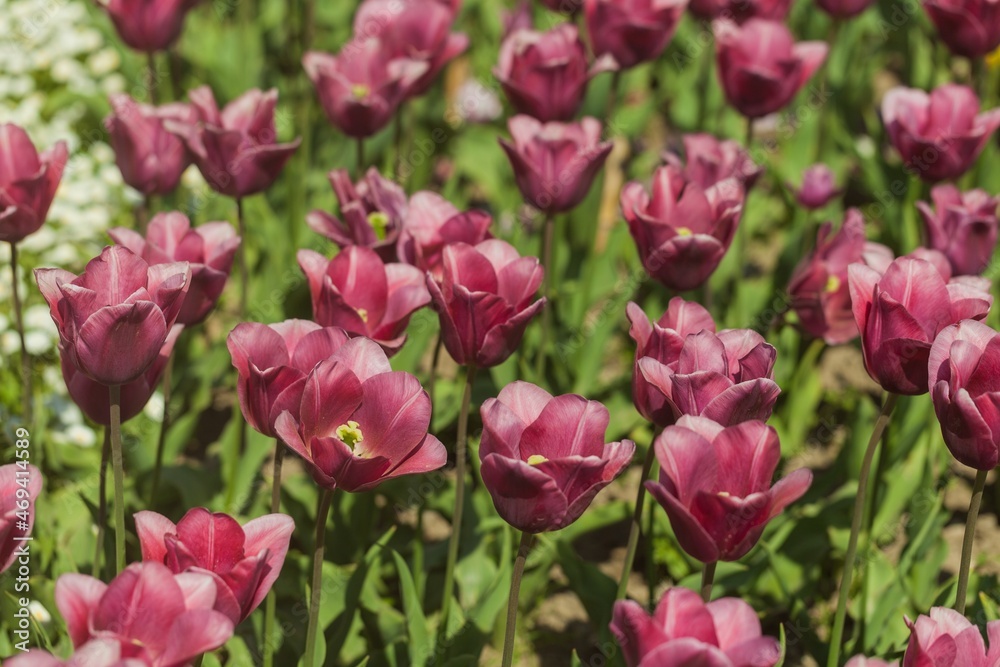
[456,517]
[852,545]
[707,580]
[515,591]
[970,537]
[244,269]
[547,282]
[102,504]
[151,80]
[636,529]
[317,576]
[164,425]
[271,603]
[115,395]
[748,141]
[361,157]
[26,388]
[432,376]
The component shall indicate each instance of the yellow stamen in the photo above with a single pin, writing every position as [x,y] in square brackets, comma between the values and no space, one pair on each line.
[380,223]
[363,314]
[360,91]
[536,459]
[683,231]
[350,434]
[832,284]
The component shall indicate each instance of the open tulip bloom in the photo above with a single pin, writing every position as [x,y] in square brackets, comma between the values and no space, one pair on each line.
[432,223]
[963,226]
[945,638]
[708,160]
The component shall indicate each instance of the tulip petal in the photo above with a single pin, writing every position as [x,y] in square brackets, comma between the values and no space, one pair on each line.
[692,537]
[524,496]
[194,633]
[151,529]
[568,425]
[138,328]
[77,597]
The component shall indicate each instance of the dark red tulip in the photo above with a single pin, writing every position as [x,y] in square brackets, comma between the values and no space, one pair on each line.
[819,291]
[945,638]
[150,157]
[208,249]
[544,458]
[148,25]
[361,423]
[114,318]
[741,10]
[761,68]
[371,213]
[431,224]
[245,559]
[28,182]
[682,231]
[484,301]
[901,311]
[19,487]
[844,9]
[715,484]
[963,226]
[686,632]
[939,135]
[555,163]
[633,32]
[273,360]
[359,293]
[235,149]
[818,187]
[970,28]
[709,161]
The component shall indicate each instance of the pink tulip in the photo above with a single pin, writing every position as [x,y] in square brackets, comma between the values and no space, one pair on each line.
[235,148]
[681,230]
[28,182]
[945,638]
[209,250]
[148,25]
[150,157]
[970,28]
[95,653]
[372,212]
[485,300]
[684,631]
[963,227]
[544,458]
[272,361]
[761,68]
[245,559]
[555,163]
[359,293]
[844,9]
[710,161]
[715,484]
[432,223]
[901,311]
[361,423]
[818,187]
[819,291]
[741,10]
[939,135]
[862,661]
[632,32]
[114,318]
[20,485]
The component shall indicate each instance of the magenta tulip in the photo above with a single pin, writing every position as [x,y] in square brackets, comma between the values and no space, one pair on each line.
[150,158]
[148,25]
[28,182]
[761,68]
[715,484]
[818,289]
[20,485]
[555,163]
[208,249]
[963,226]
[372,213]
[710,161]
[95,653]
[862,661]
[432,223]
[741,10]
[235,149]
[484,301]
[946,638]
[361,423]
[901,311]
[114,318]
[246,559]
[818,187]
[844,9]
[939,135]
[359,293]
[544,458]
[681,230]
[686,632]
[970,28]
[632,32]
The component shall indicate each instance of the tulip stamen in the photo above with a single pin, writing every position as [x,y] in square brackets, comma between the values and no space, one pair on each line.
[363,314]
[536,459]
[832,284]
[360,91]
[350,434]
[684,231]
[380,223]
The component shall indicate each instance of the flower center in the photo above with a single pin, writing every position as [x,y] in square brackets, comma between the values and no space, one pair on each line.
[832,284]
[350,434]
[683,231]
[360,91]
[536,459]
[380,223]
[363,314]
[724,494]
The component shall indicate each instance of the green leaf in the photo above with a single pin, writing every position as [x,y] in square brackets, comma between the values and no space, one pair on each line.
[416,622]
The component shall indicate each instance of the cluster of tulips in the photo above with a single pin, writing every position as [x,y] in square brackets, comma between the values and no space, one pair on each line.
[326,390]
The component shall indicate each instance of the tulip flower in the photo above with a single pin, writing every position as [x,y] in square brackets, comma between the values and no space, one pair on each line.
[761,68]
[715,484]
[544,458]
[946,638]
[208,249]
[361,423]
[95,653]
[358,292]
[682,231]
[818,188]
[150,158]
[684,630]
[845,9]
[710,161]
[246,559]
[563,6]
[970,28]
[963,226]
[635,32]
[16,521]
[819,291]
[901,311]
[235,148]
[372,212]
[432,223]
[555,163]
[939,135]
[114,318]
[28,182]
[741,10]
[485,300]
[862,661]
[148,25]
[272,361]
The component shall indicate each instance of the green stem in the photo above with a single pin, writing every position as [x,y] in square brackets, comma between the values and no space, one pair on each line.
[151,73]
[613,93]
[418,556]
[852,544]
[636,529]
[164,425]
[271,602]
[26,384]
[432,376]
[360,145]
[707,579]
[316,591]
[547,282]
[102,505]
[970,537]
[115,395]
[828,113]
[244,269]
[515,591]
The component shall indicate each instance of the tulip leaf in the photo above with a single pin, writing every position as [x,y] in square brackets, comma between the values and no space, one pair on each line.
[416,622]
